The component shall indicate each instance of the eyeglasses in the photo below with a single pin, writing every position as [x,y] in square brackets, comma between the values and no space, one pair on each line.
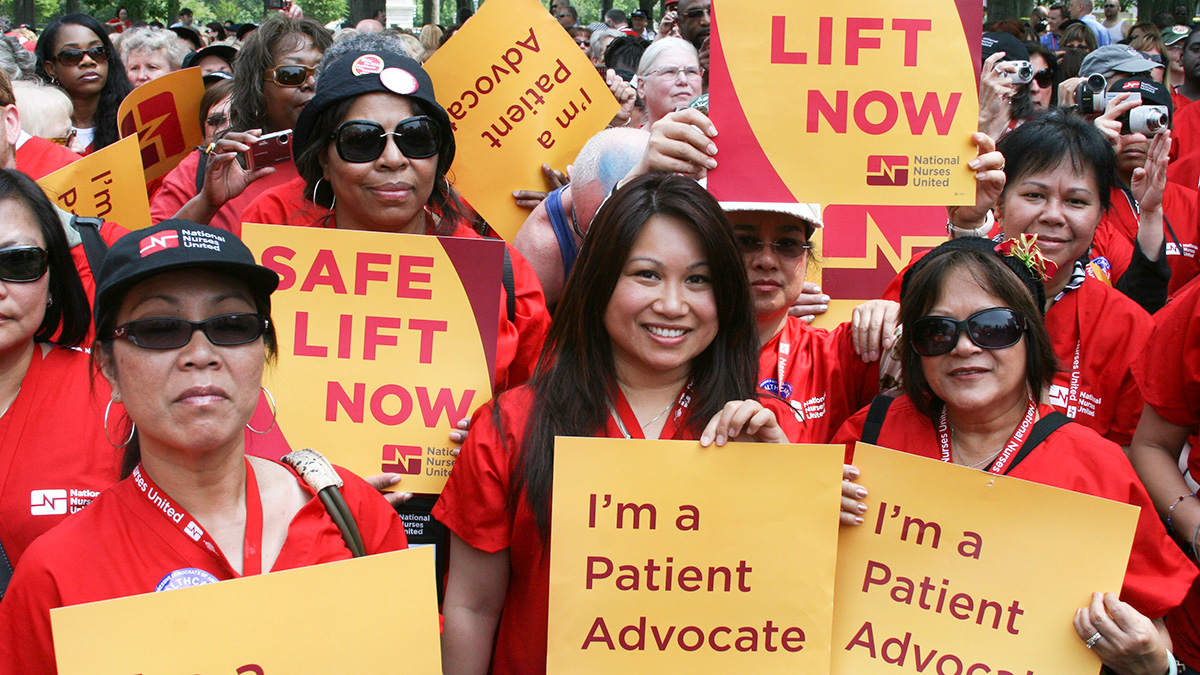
[217,119]
[582,43]
[64,140]
[360,141]
[226,330]
[671,72]
[698,12]
[22,263]
[73,57]
[1044,77]
[786,247]
[995,328]
[293,75]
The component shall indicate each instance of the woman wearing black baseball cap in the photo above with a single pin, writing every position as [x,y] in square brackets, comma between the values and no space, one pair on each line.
[373,147]
[184,333]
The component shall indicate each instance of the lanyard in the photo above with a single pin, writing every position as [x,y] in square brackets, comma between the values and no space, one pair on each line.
[623,418]
[185,523]
[1013,445]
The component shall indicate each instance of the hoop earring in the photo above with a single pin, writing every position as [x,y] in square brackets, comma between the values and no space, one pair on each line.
[49,300]
[317,186]
[274,413]
[132,429]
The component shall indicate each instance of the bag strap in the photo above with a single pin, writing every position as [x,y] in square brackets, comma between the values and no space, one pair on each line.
[510,287]
[200,168]
[320,475]
[94,246]
[1040,432]
[6,571]
[875,417]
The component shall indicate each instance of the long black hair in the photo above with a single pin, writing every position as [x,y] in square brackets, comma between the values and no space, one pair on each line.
[116,87]
[575,376]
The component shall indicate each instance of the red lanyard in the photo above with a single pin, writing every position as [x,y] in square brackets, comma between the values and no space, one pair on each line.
[1013,445]
[251,547]
[622,421]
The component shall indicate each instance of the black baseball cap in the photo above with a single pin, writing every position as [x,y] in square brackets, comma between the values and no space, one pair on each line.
[999,41]
[226,53]
[356,73]
[1152,92]
[172,245]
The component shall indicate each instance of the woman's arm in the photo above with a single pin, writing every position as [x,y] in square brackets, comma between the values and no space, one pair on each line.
[475,591]
[1154,454]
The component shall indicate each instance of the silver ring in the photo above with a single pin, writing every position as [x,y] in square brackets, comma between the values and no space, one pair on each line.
[1091,642]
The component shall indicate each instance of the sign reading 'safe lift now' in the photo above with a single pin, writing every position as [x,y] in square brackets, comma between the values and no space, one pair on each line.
[870,102]
[385,342]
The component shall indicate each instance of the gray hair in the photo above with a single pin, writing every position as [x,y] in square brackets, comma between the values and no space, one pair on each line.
[659,46]
[595,50]
[44,110]
[16,61]
[152,39]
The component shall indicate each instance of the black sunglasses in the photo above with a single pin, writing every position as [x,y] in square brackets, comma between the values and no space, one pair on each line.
[167,333]
[995,328]
[1044,78]
[289,76]
[217,119]
[360,141]
[22,263]
[785,247]
[73,57]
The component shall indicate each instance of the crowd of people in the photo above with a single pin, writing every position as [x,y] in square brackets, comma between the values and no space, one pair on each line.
[1054,337]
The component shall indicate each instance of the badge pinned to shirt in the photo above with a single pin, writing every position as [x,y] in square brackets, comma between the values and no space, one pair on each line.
[186,577]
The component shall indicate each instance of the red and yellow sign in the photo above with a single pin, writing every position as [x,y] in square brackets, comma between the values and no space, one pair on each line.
[385,342]
[106,184]
[850,103]
[254,625]
[960,571]
[165,115]
[668,557]
[520,94]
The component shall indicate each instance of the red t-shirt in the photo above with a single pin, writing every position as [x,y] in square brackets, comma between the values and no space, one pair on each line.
[1184,168]
[474,505]
[1117,233]
[123,545]
[823,376]
[1109,330]
[283,205]
[1072,458]
[38,157]
[179,186]
[54,457]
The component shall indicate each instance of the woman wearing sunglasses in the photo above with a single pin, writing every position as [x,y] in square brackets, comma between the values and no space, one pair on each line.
[184,333]
[977,361]
[653,336]
[274,77]
[53,454]
[74,53]
[373,148]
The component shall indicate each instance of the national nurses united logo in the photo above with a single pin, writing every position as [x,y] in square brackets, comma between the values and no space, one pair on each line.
[404,459]
[887,170]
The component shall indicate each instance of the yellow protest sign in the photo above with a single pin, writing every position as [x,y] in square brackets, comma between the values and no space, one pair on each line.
[520,93]
[847,103]
[667,557]
[106,184]
[960,571]
[385,342]
[165,115]
[321,619]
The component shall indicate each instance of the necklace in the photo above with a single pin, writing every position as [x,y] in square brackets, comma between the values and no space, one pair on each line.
[664,412]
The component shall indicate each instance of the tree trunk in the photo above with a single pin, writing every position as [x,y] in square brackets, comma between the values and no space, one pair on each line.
[427,7]
[465,4]
[23,12]
[1008,9]
[649,7]
[1148,8]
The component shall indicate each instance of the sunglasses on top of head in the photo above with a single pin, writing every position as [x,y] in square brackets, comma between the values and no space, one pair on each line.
[293,75]
[360,141]
[22,263]
[73,57]
[226,330]
[995,328]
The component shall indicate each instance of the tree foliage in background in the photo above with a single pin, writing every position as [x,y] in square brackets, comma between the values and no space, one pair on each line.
[590,11]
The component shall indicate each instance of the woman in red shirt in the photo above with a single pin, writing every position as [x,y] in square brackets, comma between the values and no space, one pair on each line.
[182,315]
[976,361]
[652,347]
